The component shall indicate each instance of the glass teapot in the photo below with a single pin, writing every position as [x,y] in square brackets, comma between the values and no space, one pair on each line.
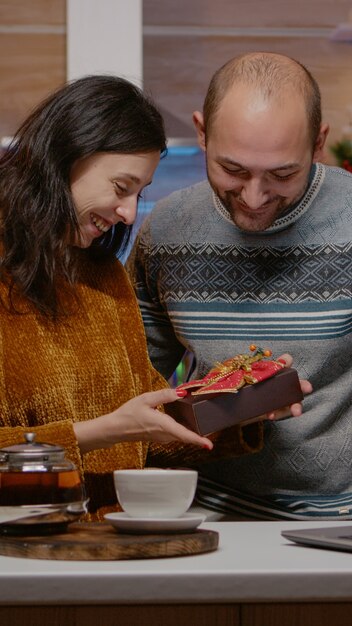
[40,489]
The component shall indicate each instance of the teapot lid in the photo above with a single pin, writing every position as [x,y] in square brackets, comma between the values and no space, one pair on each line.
[31,450]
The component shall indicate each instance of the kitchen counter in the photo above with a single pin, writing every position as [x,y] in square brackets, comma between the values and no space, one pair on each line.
[254,568]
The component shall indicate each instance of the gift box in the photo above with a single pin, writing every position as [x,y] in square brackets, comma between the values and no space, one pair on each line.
[206,411]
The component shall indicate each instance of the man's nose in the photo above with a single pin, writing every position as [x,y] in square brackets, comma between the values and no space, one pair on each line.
[254,193]
[127,211]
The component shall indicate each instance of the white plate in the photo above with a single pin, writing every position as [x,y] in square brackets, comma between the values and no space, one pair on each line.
[126,524]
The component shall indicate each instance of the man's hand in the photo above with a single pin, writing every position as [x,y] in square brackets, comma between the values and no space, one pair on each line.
[295,409]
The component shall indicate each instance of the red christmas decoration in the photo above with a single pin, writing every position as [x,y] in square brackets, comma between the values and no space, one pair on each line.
[236,372]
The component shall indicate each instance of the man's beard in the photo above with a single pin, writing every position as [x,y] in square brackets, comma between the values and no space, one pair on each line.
[259,220]
[263,218]
[254,221]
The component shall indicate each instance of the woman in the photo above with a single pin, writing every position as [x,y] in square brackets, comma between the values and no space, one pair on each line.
[74,364]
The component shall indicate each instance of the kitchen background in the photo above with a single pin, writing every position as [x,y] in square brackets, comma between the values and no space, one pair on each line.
[183,43]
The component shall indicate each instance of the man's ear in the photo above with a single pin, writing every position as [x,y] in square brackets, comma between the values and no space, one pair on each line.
[320,143]
[198,122]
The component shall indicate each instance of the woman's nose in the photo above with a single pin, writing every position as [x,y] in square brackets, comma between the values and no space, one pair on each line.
[127,210]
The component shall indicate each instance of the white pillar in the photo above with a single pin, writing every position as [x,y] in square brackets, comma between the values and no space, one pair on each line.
[105,37]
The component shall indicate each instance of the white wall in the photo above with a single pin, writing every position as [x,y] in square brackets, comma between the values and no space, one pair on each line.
[105,37]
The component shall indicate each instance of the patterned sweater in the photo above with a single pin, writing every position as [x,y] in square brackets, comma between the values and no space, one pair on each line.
[206,286]
[55,373]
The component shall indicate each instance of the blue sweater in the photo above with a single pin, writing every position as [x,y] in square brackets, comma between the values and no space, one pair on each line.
[206,286]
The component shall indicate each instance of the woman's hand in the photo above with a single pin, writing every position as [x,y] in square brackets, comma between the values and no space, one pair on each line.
[295,409]
[137,420]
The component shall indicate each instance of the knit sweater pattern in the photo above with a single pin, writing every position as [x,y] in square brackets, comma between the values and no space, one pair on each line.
[206,286]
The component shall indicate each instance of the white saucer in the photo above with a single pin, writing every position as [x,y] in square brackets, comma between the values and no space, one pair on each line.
[126,524]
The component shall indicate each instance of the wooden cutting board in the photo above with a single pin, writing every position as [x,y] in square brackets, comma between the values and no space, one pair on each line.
[101,542]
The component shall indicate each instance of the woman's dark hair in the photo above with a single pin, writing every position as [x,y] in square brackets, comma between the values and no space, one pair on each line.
[89,115]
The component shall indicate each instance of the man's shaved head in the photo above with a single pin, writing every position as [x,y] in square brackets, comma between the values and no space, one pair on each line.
[270,76]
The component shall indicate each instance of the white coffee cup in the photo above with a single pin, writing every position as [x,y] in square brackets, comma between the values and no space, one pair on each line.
[155,493]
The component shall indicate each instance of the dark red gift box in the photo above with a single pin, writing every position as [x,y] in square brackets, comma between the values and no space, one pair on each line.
[208,413]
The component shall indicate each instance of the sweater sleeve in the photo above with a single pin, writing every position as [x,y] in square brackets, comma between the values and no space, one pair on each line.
[164,349]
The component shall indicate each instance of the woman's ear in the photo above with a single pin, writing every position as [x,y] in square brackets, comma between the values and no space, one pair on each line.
[320,142]
[198,122]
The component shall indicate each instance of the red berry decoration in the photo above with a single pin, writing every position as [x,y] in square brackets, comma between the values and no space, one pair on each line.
[234,373]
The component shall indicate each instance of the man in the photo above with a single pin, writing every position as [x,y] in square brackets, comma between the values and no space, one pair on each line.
[261,253]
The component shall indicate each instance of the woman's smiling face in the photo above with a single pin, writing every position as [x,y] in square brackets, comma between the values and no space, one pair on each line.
[105,188]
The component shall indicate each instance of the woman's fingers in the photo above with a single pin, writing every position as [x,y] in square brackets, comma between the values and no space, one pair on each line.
[142,420]
[178,432]
[162,396]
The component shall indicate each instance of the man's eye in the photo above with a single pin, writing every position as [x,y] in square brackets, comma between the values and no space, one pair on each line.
[285,177]
[119,188]
[235,172]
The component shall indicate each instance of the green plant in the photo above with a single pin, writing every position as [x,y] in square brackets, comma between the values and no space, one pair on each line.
[342,150]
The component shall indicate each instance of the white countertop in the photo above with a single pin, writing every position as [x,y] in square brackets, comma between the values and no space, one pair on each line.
[253,563]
